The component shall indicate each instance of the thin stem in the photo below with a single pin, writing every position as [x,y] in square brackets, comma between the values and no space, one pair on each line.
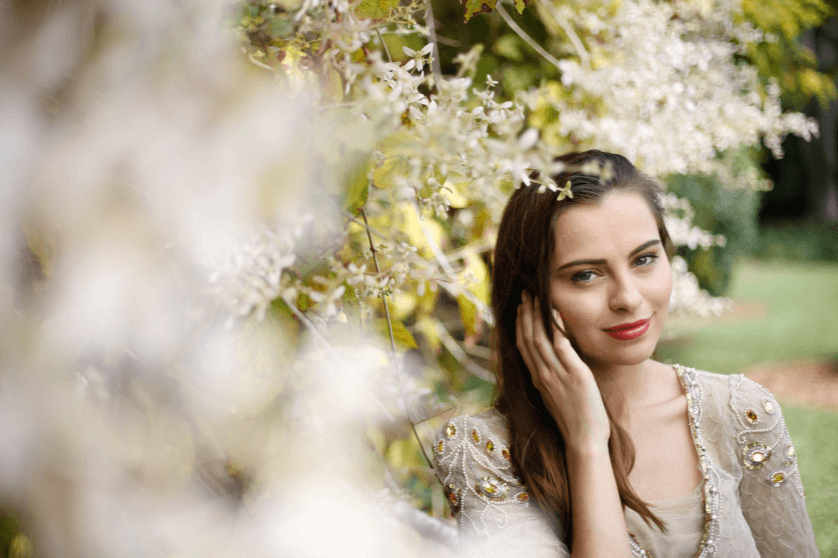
[571,34]
[393,343]
[523,34]
[457,352]
[333,354]
[429,19]
[259,64]
[386,50]
[446,267]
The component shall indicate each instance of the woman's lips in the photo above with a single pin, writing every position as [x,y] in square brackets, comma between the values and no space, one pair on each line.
[630,331]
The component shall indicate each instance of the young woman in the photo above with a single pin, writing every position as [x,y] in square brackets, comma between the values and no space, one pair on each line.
[592,448]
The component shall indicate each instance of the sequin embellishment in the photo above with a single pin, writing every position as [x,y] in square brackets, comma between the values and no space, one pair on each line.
[756,454]
[712,481]
[451,430]
[454,496]
[475,435]
[768,406]
[776,478]
[505,454]
[522,497]
[751,416]
[789,455]
[492,488]
[440,447]
[490,447]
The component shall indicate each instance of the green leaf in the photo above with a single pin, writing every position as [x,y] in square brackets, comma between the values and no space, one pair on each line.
[398,150]
[357,187]
[509,46]
[281,26]
[401,335]
[375,9]
[520,5]
[476,276]
[479,7]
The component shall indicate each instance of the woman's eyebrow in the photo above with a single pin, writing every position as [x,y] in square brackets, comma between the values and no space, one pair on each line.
[601,262]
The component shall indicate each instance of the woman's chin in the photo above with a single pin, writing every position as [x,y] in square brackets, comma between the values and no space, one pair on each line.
[622,355]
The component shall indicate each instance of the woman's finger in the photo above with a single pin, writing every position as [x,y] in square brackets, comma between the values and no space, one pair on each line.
[542,342]
[525,339]
[519,338]
[562,346]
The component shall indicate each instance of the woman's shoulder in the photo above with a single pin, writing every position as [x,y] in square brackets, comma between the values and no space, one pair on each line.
[734,393]
[735,406]
[485,493]
[485,435]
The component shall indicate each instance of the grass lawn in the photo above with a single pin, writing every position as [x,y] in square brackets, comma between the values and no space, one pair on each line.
[792,314]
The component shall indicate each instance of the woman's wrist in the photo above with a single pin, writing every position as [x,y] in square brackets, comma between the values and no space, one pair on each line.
[587,450]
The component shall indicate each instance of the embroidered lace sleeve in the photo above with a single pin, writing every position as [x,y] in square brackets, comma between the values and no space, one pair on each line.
[771,493]
[493,509]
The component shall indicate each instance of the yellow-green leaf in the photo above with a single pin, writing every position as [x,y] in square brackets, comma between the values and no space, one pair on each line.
[357,188]
[520,5]
[375,9]
[478,7]
[475,276]
[401,335]
[397,151]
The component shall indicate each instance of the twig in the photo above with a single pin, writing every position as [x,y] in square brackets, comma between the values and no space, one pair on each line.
[393,343]
[259,64]
[478,247]
[448,42]
[429,19]
[333,354]
[386,50]
[571,34]
[446,267]
[378,233]
[454,348]
[523,34]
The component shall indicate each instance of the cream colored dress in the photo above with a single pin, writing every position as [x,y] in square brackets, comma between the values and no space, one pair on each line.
[749,504]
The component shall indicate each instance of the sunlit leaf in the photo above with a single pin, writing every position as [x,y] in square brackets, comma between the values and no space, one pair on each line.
[421,232]
[357,189]
[476,276]
[427,326]
[478,7]
[397,151]
[401,335]
[403,305]
[375,9]
[454,194]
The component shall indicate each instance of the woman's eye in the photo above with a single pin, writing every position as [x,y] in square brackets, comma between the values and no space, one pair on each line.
[584,277]
[646,259]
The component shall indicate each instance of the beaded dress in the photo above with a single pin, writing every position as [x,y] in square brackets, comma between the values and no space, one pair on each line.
[749,504]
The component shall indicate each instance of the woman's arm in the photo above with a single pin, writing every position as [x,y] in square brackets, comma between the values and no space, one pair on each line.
[599,526]
[771,491]
[494,513]
[572,396]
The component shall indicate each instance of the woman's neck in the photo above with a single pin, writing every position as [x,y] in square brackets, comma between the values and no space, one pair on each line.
[629,388]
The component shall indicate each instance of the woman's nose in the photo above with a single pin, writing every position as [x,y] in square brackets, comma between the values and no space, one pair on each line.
[625,295]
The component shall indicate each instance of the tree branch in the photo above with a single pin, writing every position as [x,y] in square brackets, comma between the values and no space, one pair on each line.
[527,39]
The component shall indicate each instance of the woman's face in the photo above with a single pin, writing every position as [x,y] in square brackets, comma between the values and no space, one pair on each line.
[610,269]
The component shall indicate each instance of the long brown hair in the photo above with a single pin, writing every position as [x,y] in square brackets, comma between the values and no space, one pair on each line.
[522,257]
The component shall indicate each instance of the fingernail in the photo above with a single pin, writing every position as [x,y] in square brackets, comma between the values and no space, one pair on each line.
[524,296]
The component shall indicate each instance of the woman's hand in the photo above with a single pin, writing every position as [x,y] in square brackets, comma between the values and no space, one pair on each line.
[565,382]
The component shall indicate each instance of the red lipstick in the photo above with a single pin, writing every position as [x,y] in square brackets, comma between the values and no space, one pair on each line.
[626,332]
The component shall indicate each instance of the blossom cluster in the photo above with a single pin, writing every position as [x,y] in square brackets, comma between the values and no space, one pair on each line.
[669,93]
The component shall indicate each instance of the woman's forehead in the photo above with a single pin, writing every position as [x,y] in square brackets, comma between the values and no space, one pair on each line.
[621,221]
